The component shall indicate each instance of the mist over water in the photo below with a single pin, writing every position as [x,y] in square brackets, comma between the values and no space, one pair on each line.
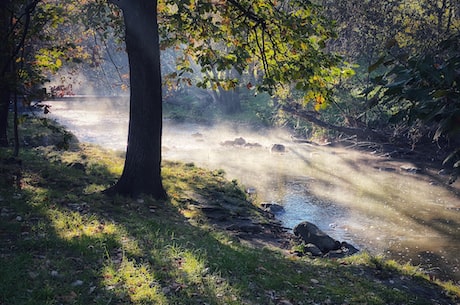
[350,195]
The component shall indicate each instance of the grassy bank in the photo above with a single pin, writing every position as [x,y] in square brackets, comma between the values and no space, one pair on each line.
[63,242]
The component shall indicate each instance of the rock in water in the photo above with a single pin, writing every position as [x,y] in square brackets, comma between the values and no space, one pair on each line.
[278,148]
[272,207]
[311,234]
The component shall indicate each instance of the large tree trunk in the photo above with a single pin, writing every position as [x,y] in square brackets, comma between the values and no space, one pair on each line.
[142,170]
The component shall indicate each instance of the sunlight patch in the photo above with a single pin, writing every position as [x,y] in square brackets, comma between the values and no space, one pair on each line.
[133,281]
[69,225]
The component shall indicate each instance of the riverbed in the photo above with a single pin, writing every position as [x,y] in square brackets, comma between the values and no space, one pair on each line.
[375,202]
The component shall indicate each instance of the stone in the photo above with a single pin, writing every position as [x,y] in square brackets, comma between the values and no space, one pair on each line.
[311,234]
[251,190]
[272,207]
[239,141]
[279,148]
[312,249]
[345,250]
[335,254]
[77,283]
[348,248]
[252,145]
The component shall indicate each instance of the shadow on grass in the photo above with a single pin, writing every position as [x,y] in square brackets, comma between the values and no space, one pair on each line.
[62,242]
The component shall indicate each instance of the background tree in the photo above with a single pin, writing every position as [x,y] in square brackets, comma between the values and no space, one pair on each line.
[37,40]
[5,69]
[422,91]
[15,21]
[366,30]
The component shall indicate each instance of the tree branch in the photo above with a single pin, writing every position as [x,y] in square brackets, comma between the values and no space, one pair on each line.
[247,12]
[27,13]
[364,133]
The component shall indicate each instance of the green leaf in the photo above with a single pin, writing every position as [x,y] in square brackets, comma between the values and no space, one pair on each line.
[440,93]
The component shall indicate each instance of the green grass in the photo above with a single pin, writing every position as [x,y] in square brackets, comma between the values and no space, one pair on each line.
[63,242]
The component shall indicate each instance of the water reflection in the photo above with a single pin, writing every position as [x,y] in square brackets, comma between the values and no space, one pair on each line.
[356,197]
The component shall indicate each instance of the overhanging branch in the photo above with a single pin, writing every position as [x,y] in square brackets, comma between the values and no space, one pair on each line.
[247,12]
[28,10]
[363,133]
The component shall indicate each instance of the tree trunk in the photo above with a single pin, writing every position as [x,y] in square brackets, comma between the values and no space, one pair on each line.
[4,105]
[142,169]
[229,100]
[4,71]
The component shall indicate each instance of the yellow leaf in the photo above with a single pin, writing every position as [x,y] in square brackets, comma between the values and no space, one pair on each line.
[320,99]
[58,63]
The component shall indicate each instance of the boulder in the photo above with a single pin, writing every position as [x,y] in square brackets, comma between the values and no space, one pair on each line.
[239,141]
[278,148]
[311,234]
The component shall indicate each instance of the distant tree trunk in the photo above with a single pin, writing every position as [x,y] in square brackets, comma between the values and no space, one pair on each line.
[4,105]
[142,170]
[229,100]
[15,125]
[4,71]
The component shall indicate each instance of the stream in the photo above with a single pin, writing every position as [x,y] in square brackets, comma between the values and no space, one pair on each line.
[371,201]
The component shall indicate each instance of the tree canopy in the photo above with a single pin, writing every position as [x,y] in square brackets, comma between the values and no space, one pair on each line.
[275,43]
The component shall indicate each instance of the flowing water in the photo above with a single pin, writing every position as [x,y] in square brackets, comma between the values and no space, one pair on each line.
[364,199]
